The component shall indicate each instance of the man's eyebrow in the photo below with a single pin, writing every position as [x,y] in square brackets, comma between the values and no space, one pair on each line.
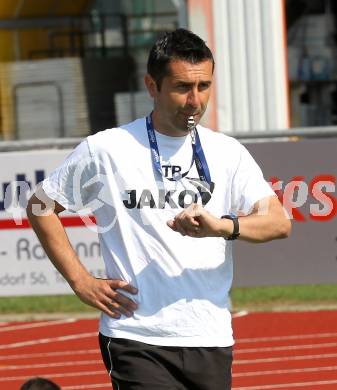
[184,82]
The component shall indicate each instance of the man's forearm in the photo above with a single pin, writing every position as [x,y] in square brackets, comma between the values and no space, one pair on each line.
[103,294]
[258,228]
[54,240]
[268,221]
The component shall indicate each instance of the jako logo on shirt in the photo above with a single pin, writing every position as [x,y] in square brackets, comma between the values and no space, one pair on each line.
[171,198]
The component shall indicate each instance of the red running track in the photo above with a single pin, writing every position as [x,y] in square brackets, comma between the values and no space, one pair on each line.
[273,351]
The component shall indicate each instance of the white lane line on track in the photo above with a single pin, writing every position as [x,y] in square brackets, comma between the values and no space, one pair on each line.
[71,353]
[36,325]
[285,359]
[49,340]
[58,375]
[47,365]
[285,348]
[88,387]
[286,371]
[286,385]
[239,314]
[281,338]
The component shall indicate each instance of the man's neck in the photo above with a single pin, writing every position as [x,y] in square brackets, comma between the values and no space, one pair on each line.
[163,128]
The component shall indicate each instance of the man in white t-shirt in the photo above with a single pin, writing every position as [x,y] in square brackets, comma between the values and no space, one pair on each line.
[169,196]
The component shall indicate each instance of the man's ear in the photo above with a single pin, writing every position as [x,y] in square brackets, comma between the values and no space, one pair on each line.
[150,85]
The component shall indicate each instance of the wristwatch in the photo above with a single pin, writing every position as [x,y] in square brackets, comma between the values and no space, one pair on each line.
[236,228]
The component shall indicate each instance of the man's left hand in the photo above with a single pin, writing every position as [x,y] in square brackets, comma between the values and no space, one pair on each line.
[195,221]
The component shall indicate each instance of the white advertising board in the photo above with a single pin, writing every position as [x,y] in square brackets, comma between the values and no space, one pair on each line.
[25,268]
[303,174]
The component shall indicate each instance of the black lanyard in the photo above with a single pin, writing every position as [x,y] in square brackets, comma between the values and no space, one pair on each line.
[198,153]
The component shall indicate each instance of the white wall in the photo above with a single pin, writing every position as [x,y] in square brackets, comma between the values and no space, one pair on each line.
[250,55]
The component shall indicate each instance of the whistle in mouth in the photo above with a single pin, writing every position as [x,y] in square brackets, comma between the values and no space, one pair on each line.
[190,123]
[191,127]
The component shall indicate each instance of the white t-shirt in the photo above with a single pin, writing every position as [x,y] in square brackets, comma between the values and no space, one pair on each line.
[183,282]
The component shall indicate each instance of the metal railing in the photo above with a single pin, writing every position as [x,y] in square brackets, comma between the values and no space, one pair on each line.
[291,135]
[76,28]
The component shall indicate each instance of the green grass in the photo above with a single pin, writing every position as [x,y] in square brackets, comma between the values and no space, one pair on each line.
[43,304]
[249,298]
[273,297]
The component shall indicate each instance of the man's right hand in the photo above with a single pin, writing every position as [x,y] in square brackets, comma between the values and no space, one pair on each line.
[107,295]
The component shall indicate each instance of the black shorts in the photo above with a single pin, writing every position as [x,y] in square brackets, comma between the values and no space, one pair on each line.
[133,365]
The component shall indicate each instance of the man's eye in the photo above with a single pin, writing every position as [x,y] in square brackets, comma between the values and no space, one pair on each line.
[204,86]
[182,87]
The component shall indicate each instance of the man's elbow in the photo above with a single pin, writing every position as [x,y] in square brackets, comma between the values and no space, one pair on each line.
[29,209]
[284,228]
[37,208]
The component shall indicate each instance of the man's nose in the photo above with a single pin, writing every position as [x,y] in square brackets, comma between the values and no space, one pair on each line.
[193,98]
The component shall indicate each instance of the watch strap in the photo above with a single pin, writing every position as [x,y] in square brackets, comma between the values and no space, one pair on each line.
[236,227]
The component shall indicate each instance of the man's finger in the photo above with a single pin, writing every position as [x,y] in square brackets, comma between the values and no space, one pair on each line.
[123,285]
[105,308]
[179,228]
[187,218]
[171,224]
[127,303]
[192,221]
[115,309]
[120,308]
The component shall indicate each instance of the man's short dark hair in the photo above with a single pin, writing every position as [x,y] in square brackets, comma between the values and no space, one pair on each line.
[179,44]
[39,384]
